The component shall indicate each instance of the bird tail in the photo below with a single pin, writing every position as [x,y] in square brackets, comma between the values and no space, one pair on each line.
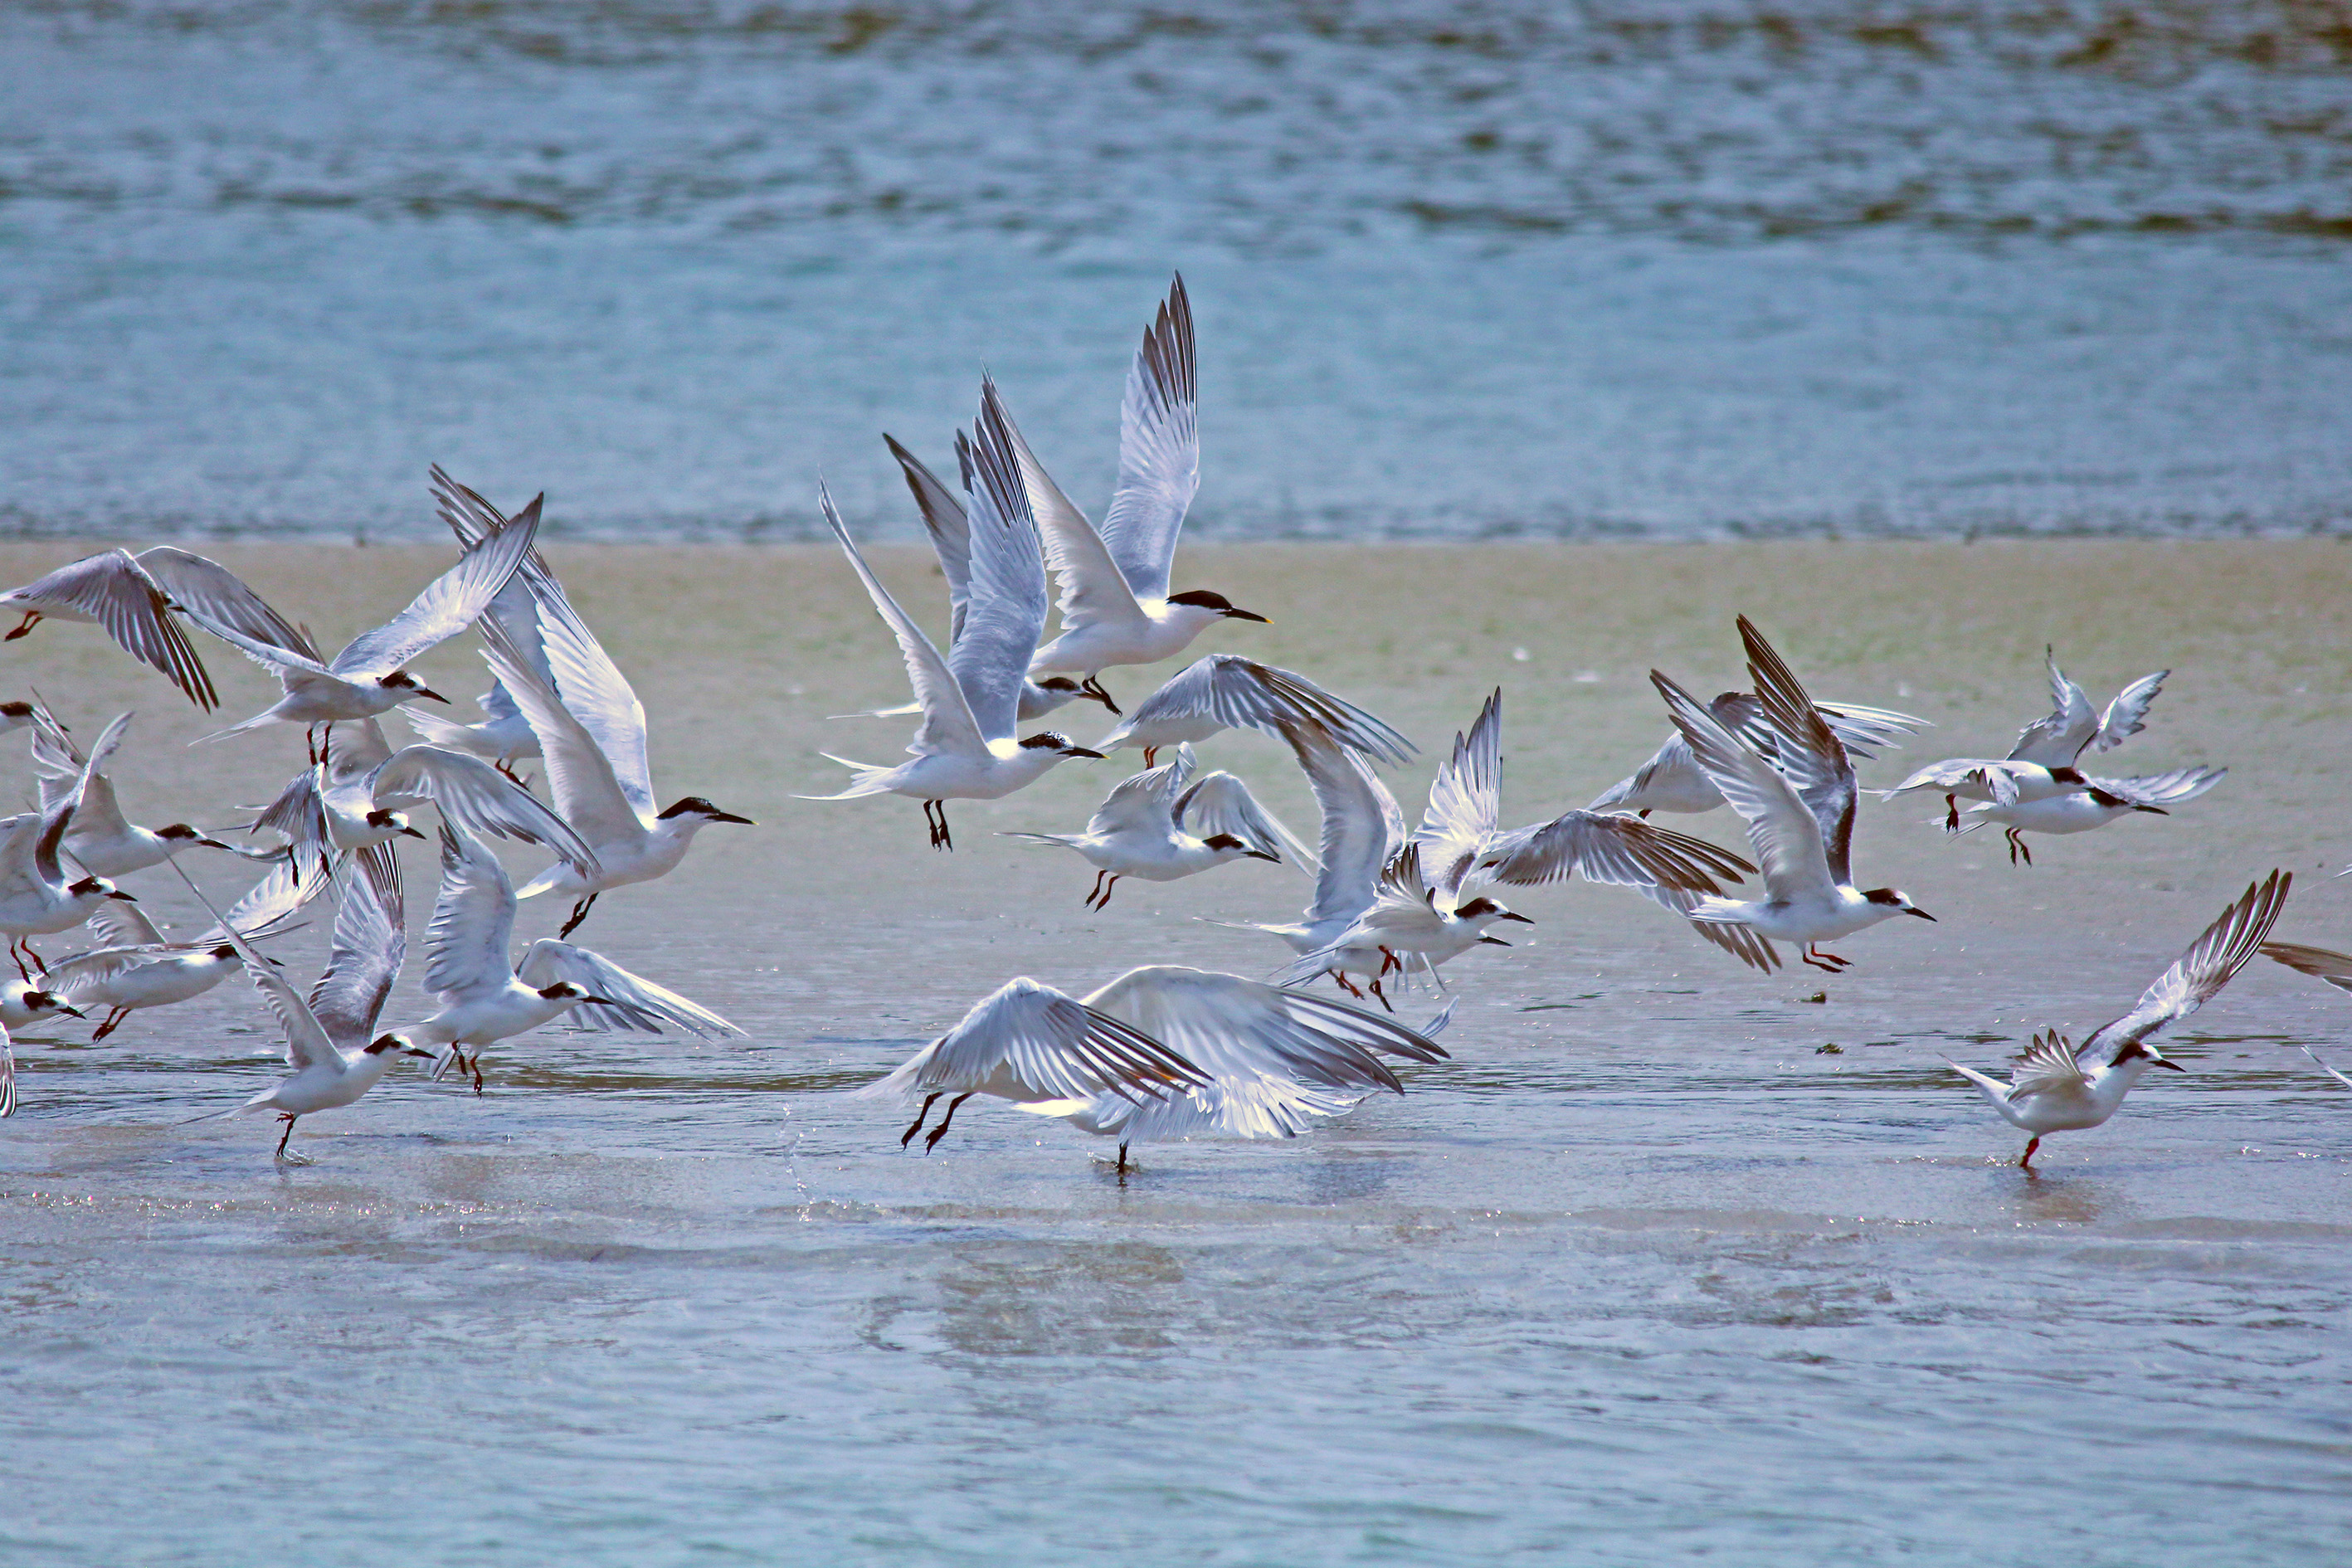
[904,710]
[1712,910]
[1068,841]
[255,723]
[864,783]
[437,731]
[1994,1089]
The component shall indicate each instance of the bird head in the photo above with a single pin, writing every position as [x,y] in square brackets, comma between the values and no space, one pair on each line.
[397,821]
[223,952]
[17,712]
[1212,606]
[397,1042]
[1068,690]
[98,887]
[400,680]
[46,1001]
[2135,1051]
[694,806]
[179,833]
[1060,746]
[1895,902]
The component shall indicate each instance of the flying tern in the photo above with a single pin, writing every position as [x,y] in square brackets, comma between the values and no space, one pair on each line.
[23,1004]
[36,895]
[1164,824]
[484,996]
[100,839]
[1672,779]
[135,968]
[2054,1088]
[2094,805]
[369,676]
[965,748]
[2044,762]
[1799,808]
[133,597]
[1225,691]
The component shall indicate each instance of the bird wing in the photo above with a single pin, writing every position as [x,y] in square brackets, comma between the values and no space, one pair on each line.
[2056,741]
[370,941]
[119,924]
[300,813]
[307,1042]
[2336,968]
[948,725]
[1808,753]
[1465,802]
[2197,974]
[1006,613]
[598,695]
[473,922]
[268,905]
[1159,451]
[1998,778]
[478,798]
[1221,803]
[1784,830]
[112,589]
[2124,716]
[1864,731]
[1621,851]
[1243,694]
[1227,1025]
[40,851]
[353,752]
[1029,1041]
[642,1003]
[206,588]
[1095,592]
[580,776]
[1672,758]
[19,839]
[449,604]
[515,606]
[1361,827]
[945,522]
[2048,1064]
[1144,802]
[2162,789]
[61,767]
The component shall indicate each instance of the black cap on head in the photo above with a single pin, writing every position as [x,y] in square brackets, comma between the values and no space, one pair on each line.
[1046,740]
[224,951]
[382,1044]
[17,710]
[177,830]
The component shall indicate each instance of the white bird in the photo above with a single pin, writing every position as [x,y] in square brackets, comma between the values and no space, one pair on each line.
[484,996]
[21,1004]
[1424,911]
[100,839]
[2336,968]
[1672,779]
[361,792]
[132,597]
[2098,802]
[327,1037]
[965,748]
[135,968]
[34,895]
[1162,825]
[1276,1060]
[949,528]
[2044,762]
[1799,808]
[504,737]
[1225,691]
[369,676]
[2054,1088]
[1114,603]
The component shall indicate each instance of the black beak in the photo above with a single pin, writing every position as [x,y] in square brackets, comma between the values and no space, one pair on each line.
[1098,695]
[1246,615]
[1921,913]
[216,843]
[71,1011]
[126,897]
[2153,810]
[1261,855]
[413,1051]
[1494,941]
[2168,1062]
[1081,752]
[730,817]
[428,691]
[410,833]
[1508,915]
[602,1002]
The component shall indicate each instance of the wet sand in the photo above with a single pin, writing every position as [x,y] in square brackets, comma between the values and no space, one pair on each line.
[1638,1274]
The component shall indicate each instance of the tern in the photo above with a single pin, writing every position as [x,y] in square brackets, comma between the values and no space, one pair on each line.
[1672,779]
[327,1037]
[504,737]
[945,520]
[102,840]
[484,996]
[1225,691]
[133,597]
[1799,808]
[137,969]
[23,1004]
[2044,762]
[1163,825]
[1114,603]
[965,748]
[34,895]
[2054,1088]
[369,676]
[360,792]
[1031,1044]
[2096,803]
[1276,1059]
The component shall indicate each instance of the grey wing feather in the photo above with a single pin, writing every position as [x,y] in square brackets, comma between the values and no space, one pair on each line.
[1865,730]
[2055,741]
[220,597]
[116,592]
[2125,716]
[1243,694]
[1212,1018]
[2197,974]
[2048,1063]
[1465,800]
[2163,789]
[1620,851]
[1046,1045]
[1159,451]
[1006,615]
[1809,752]
[474,795]
[2336,968]
[1362,827]
[473,919]
[449,604]
[370,942]
[945,522]
[644,1005]
[1221,803]
[269,904]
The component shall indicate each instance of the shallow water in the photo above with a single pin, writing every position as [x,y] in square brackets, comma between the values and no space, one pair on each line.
[1610,269]
[1638,1275]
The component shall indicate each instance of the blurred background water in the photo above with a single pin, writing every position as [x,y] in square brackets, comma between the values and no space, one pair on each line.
[1624,268]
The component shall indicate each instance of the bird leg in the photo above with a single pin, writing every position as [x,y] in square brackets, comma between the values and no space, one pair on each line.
[1951,813]
[1096,891]
[1093,687]
[579,912]
[941,1132]
[1149,755]
[1644,813]
[1122,1165]
[2025,1161]
[935,817]
[918,1127]
[114,1016]
[1388,960]
[287,1118]
[32,619]
[1819,960]
[1383,995]
[36,957]
[1344,984]
[474,1065]
[23,973]
[502,766]
[2017,846]
[1103,902]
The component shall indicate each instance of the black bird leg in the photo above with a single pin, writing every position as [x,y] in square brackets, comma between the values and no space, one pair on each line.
[941,1132]
[1096,891]
[579,912]
[1122,1165]
[1828,961]
[1151,755]
[287,1118]
[1383,997]
[1094,688]
[1951,813]
[2017,846]
[918,1127]
[114,1016]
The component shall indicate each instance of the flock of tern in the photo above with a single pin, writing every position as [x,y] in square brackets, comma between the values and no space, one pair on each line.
[1160,1052]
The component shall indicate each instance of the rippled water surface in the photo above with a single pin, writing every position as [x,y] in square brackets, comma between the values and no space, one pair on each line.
[1601,269]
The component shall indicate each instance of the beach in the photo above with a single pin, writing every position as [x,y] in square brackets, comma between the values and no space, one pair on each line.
[1644,1271]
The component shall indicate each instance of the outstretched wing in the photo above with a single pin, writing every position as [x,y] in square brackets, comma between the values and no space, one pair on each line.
[219,596]
[1464,803]
[2336,968]
[1809,752]
[1094,590]
[466,948]
[116,592]
[1224,1023]
[1786,833]
[1221,803]
[1006,613]
[1243,694]
[2055,741]
[370,941]
[449,604]
[945,522]
[641,1003]
[1159,451]
[948,723]
[2197,975]
[1145,802]
[2048,1064]
[1623,851]
[475,796]
[2163,789]
[1028,1041]
[1362,827]
[2124,715]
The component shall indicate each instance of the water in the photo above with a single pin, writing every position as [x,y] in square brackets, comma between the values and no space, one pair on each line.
[1615,269]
